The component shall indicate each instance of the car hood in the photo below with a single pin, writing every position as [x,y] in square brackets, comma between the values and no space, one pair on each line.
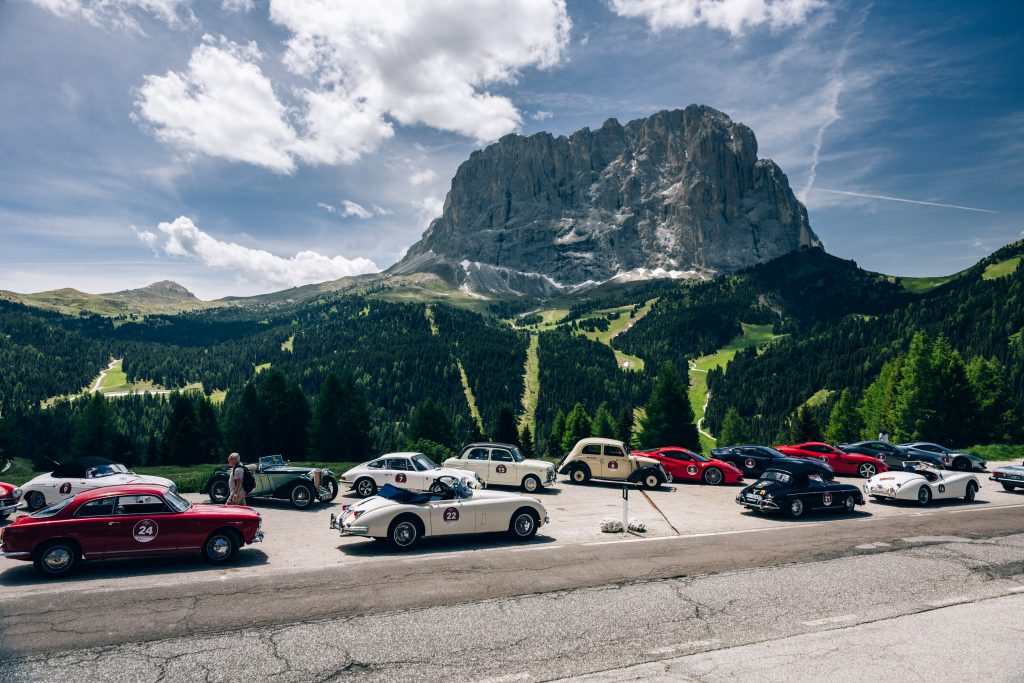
[771,487]
[207,509]
[644,461]
[540,464]
[1016,469]
[290,469]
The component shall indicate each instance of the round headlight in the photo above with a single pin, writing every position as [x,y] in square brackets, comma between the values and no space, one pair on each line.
[16,493]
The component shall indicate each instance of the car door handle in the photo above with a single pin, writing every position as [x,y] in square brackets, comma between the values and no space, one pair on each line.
[113,523]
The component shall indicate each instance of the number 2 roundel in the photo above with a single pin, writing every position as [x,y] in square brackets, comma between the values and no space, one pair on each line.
[451,514]
[145,531]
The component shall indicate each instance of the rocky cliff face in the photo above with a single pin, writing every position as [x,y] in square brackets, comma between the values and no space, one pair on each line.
[681,193]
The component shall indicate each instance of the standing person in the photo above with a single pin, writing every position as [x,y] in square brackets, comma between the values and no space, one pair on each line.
[236,481]
[883,436]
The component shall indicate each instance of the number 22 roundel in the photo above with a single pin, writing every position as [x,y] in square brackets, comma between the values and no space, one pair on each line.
[451,514]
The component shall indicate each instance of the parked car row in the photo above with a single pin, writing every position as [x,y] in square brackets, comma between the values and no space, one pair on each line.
[92,508]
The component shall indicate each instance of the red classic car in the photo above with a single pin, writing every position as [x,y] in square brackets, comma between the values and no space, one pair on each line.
[9,497]
[686,465]
[133,520]
[852,464]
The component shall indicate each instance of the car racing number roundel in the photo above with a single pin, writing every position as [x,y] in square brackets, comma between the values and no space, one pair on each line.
[145,531]
[749,463]
[691,470]
[451,514]
[65,488]
[942,488]
[501,469]
[613,465]
[826,498]
[400,478]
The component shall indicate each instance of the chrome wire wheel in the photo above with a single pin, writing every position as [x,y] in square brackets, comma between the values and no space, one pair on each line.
[219,491]
[404,534]
[524,524]
[796,508]
[302,496]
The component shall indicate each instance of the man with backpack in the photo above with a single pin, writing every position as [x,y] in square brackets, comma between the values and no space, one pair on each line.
[236,480]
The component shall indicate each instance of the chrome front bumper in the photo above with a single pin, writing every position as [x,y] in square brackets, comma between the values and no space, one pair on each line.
[8,506]
[757,504]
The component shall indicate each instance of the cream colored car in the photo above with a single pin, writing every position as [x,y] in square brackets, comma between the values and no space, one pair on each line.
[503,464]
[595,458]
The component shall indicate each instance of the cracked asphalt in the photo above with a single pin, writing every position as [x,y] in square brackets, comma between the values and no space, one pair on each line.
[949,603]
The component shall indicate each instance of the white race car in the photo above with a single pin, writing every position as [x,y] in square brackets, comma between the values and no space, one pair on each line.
[412,471]
[922,482]
[502,464]
[83,474]
[403,517]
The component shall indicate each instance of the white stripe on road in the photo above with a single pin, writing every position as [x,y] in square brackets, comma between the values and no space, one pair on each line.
[1018,589]
[700,644]
[841,619]
[703,535]
[535,547]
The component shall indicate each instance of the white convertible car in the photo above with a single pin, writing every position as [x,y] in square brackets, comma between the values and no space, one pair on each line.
[503,464]
[922,482]
[412,471]
[83,474]
[455,506]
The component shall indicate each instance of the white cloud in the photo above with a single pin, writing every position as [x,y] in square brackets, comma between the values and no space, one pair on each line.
[424,63]
[183,239]
[120,14]
[428,209]
[238,5]
[350,209]
[423,177]
[222,106]
[541,115]
[730,15]
[146,237]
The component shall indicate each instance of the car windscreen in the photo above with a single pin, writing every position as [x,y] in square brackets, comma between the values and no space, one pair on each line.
[423,463]
[773,476]
[105,471]
[516,455]
[53,509]
[698,457]
[177,503]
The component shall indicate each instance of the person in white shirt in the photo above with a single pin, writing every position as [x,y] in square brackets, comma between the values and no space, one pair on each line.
[236,480]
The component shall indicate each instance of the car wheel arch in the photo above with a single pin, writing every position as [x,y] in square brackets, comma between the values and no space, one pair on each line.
[526,509]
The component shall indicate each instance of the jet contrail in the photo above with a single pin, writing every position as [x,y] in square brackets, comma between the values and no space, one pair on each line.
[900,199]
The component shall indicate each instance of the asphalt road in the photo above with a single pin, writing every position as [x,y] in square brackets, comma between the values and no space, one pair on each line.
[939,608]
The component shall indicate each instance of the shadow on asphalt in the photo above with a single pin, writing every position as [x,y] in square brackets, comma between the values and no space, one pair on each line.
[815,516]
[90,570]
[430,546]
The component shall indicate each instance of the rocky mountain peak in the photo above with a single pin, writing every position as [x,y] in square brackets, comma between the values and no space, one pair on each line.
[680,193]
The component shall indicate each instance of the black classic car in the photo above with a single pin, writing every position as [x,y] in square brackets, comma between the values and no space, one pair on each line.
[751,460]
[895,457]
[275,478]
[797,487]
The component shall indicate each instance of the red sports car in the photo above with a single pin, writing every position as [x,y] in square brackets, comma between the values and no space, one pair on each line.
[9,497]
[852,464]
[134,520]
[686,465]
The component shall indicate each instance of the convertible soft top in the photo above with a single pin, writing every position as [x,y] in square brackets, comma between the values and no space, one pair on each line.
[403,496]
[77,468]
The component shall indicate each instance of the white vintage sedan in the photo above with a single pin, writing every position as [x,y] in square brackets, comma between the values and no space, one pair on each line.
[403,517]
[83,474]
[503,464]
[922,482]
[413,471]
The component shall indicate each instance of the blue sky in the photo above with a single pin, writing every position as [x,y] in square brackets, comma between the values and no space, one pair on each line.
[243,146]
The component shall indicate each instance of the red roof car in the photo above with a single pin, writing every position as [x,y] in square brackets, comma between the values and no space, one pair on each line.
[686,465]
[136,520]
[841,462]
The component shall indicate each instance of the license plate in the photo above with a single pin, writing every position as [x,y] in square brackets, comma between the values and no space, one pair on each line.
[753,498]
[1017,476]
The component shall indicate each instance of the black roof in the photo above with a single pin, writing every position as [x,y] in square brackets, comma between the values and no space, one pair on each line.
[802,467]
[78,466]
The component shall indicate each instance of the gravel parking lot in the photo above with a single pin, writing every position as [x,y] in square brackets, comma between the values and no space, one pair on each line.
[302,540]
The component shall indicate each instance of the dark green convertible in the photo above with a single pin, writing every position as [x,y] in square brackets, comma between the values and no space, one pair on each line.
[275,478]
